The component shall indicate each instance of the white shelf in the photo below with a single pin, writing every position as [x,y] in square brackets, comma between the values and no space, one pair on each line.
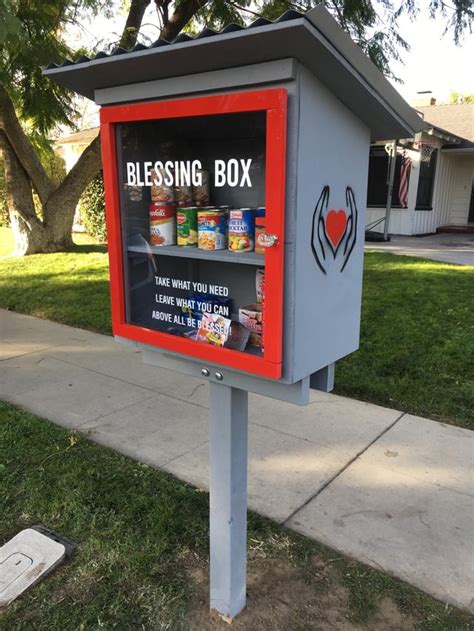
[245,258]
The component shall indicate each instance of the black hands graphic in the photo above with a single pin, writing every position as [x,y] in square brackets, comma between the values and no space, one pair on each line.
[318,232]
[334,231]
[351,228]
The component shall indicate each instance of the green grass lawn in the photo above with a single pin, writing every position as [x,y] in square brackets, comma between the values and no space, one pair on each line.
[417,334]
[67,287]
[7,242]
[142,550]
[417,339]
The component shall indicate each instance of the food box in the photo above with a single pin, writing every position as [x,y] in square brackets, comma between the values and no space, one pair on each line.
[251,318]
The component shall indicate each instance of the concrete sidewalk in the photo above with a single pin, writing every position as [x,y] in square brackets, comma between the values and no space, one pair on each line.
[444,247]
[388,488]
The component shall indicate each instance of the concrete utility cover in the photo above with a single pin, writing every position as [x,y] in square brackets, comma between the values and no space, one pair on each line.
[24,560]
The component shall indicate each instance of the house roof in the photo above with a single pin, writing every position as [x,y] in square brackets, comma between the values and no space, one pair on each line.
[314,38]
[443,134]
[457,118]
[85,136]
[465,147]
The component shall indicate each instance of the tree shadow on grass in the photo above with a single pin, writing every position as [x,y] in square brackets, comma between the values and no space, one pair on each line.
[88,248]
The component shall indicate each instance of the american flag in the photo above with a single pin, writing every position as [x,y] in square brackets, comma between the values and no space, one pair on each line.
[404,179]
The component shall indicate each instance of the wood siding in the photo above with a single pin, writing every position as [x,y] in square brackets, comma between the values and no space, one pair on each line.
[461,191]
[451,198]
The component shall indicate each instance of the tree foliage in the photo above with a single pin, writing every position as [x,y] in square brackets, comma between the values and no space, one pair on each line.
[372,24]
[39,37]
[457,97]
[10,25]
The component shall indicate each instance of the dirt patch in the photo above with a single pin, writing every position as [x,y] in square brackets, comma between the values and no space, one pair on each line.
[388,616]
[280,598]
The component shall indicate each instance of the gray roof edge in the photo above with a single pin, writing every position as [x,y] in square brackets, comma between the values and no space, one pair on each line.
[408,127]
[179,45]
[327,27]
[465,148]
[322,27]
[436,130]
[61,74]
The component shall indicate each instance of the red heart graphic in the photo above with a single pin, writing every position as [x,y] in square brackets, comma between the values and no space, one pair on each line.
[335,225]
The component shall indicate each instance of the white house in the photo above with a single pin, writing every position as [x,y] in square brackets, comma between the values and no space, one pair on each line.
[71,146]
[441,175]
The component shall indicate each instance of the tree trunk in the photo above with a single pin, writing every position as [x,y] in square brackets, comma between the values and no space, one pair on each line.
[21,145]
[133,23]
[53,233]
[28,229]
[183,13]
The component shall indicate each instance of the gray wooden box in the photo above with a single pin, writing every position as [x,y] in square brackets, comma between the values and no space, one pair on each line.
[337,102]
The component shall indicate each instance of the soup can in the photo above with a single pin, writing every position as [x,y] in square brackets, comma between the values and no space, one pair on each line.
[183,196]
[135,193]
[242,230]
[163,193]
[259,230]
[187,227]
[162,224]
[212,229]
[201,191]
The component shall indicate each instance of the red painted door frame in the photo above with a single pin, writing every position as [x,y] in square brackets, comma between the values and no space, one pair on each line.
[274,102]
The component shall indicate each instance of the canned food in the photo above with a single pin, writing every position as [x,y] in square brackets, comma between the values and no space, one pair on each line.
[251,317]
[163,193]
[242,230]
[162,224]
[135,193]
[201,191]
[259,230]
[212,229]
[183,195]
[186,226]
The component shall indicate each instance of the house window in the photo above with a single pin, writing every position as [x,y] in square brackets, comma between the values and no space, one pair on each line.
[378,174]
[424,196]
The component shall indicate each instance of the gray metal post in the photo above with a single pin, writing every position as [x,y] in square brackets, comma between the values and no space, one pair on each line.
[228,422]
[390,180]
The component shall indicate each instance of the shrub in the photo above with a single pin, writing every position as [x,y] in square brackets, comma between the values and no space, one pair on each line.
[54,166]
[92,208]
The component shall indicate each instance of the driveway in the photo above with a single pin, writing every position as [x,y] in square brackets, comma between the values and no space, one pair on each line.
[449,248]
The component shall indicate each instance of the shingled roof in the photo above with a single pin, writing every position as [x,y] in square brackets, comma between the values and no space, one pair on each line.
[314,38]
[82,137]
[457,118]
